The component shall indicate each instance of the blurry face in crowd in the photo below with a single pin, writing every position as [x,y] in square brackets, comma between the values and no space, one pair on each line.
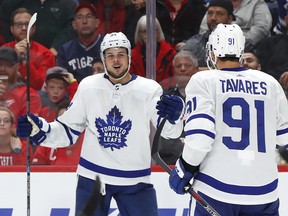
[97,67]
[116,61]
[143,35]
[216,15]
[56,89]
[85,23]
[139,4]
[250,61]
[20,25]
[183,70]
[6,124]
[10,69]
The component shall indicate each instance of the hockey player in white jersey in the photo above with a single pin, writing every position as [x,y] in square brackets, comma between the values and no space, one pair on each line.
[115,110]
[236,118]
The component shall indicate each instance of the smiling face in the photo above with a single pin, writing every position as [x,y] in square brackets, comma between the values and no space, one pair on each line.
[116,62]
[6,123]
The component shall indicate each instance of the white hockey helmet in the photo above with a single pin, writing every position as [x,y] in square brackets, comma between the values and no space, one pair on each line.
[226,40]
[114,40]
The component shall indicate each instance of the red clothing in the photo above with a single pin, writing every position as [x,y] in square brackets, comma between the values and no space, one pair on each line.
[116,19]
[48,113]
[60,156]
[15,99]
[164,63]
[10,159]
[41,59]
[71,90]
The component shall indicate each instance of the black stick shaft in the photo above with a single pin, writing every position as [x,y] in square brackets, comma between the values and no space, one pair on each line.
[28,163]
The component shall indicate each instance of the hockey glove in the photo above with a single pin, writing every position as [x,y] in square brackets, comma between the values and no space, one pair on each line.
[33,126]
[179,178]
[171,107]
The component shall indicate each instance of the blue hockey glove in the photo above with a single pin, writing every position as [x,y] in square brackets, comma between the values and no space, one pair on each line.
[171,107]
[179,178]
[33,126]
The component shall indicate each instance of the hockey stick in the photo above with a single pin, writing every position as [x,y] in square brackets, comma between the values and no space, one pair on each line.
[94,200]
[283,151]
[30,24]
[166,167]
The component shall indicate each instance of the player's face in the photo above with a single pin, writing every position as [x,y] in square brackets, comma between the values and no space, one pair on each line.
[55,89]
[20,25]
[216,15]
[85,23]
[250,61]
[5,123]
[116,61]
[183,70]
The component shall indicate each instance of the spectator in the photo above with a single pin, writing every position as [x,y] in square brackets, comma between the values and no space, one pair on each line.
[59,156]
[179,19]
[134,12]
[219,11]
[254,18]
[185,65]
[97,66]
[77,55]
[250,60]
[111,14]
[54,19]
[280,27]
[14,95]
[41,58]
[9,155]
[272,53]
[164,54]
[58,82]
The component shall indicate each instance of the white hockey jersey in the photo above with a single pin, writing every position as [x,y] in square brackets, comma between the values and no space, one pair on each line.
[116,120]
[236,120]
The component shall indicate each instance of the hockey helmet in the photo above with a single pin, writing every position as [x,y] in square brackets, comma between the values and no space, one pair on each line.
[226,40]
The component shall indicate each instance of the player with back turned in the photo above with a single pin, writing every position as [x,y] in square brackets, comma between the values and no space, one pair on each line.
[237,117]
[115,109]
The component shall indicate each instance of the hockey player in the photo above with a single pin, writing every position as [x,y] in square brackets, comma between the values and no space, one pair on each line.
[115,109]
[237,116]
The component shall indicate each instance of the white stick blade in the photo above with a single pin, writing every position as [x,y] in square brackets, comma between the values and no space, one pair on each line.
[30,24]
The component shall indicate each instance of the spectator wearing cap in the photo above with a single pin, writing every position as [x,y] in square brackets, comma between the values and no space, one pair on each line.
[77,55]
[253,17]
[41,58]
[58,84]
[14,95]
[219,11]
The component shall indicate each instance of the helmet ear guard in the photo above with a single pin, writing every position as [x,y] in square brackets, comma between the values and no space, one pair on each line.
[225,41]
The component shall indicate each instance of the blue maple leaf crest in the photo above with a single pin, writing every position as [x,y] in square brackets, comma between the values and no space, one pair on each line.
[113,133]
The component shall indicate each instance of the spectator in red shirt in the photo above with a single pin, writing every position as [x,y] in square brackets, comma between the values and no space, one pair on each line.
[41,58]
[12,149]
[59,82]
[14,94]
[164,54]
[59,156]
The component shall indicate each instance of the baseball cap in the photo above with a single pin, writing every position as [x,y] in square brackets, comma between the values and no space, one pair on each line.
[227,4]
[8,54]
[86,5]
[57,72]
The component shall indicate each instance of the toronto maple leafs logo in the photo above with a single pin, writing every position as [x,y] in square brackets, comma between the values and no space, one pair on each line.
[113,133]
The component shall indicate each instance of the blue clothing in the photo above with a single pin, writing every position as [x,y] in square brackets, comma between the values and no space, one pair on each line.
[226,209]
[139,199]
[77,58]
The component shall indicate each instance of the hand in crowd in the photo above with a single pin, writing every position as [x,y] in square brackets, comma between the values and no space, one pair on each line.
[3,88]
[69,78]
[21,49]
[284,80]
